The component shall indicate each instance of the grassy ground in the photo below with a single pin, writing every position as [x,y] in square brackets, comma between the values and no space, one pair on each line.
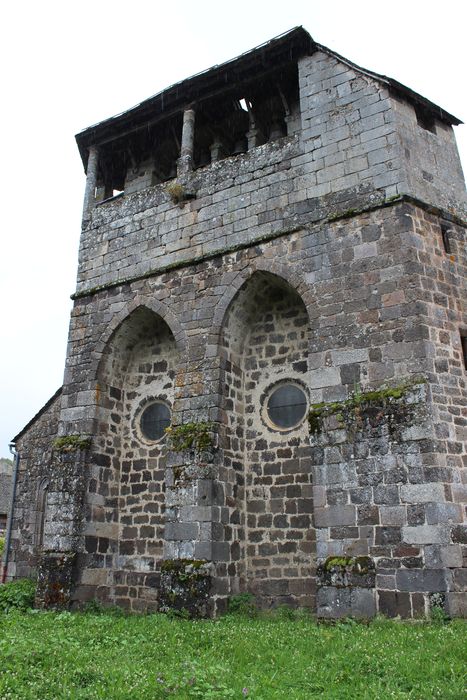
[69,655]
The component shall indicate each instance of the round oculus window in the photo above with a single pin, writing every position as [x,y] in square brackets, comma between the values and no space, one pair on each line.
[154,420]
[286,406]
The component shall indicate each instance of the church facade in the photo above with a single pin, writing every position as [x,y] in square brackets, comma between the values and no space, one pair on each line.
[266,386]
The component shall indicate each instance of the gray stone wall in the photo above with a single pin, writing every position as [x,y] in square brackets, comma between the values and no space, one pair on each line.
[6,471]
[357,134]
[124,530]
[36,449]
[378,506]
[311,258]
[431,162]
[265,340]
[363,281]
[355,138]
[348,130]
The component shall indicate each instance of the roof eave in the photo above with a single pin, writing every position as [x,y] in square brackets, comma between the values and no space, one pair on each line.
[397,88]
[295,43]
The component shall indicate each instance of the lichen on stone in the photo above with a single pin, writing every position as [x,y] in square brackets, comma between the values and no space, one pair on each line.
[179,193]
[185,586]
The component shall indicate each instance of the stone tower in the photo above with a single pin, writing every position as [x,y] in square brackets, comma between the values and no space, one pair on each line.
[272,265]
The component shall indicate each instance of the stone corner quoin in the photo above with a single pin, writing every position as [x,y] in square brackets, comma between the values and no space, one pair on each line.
[272,266]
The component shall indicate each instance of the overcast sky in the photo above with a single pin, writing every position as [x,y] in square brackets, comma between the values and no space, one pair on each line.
[67,65]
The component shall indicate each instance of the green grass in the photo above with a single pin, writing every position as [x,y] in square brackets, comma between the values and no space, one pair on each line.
[46,655]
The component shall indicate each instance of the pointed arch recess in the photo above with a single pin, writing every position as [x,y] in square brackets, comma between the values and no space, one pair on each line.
[276,269]
[158,308]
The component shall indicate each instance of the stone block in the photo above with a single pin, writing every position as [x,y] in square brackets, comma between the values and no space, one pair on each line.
[195,513]
[459,534]
[324,377]
[387,535]
[181,531]
[335,516]
[443,513]
[438,556]
[393,515]
[424,580]
[349,356]
[422,493]
[368,515]
[387,495]
[220,551]
[333,602]
[456,604]
[426,534]
[362,602]
[459,580]
[459,493]
[394,604]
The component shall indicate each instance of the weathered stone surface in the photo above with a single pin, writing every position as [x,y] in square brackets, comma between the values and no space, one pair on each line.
[422,493]
[425,580]
[312,251]
[55,580]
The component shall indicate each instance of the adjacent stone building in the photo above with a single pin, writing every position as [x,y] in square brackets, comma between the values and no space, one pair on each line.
[5,492]
[272,266]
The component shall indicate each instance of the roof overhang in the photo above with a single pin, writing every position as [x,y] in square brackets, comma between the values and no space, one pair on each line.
[250,66]
[282,50]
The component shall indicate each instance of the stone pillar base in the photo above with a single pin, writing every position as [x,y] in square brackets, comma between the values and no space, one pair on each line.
[54,580]
[185,587]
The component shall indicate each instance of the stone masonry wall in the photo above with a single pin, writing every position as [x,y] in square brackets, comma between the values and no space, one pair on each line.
[124,532]
[266,339]
[379,508]
[357,134]
[35,448]
[444,284]
[348,151]
[360,281]
[431,159]
[309,258]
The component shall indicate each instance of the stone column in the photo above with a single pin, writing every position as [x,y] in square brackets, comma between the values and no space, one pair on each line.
[217,151]
[62,528]
[91,181]
[185,162]
[255,138]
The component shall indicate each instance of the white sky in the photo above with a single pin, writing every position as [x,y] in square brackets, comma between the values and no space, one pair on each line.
[67,65]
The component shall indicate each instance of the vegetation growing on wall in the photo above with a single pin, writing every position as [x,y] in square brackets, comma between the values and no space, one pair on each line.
[178,193]
[190,436]
[351,409]
[71,443]
[347,571]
